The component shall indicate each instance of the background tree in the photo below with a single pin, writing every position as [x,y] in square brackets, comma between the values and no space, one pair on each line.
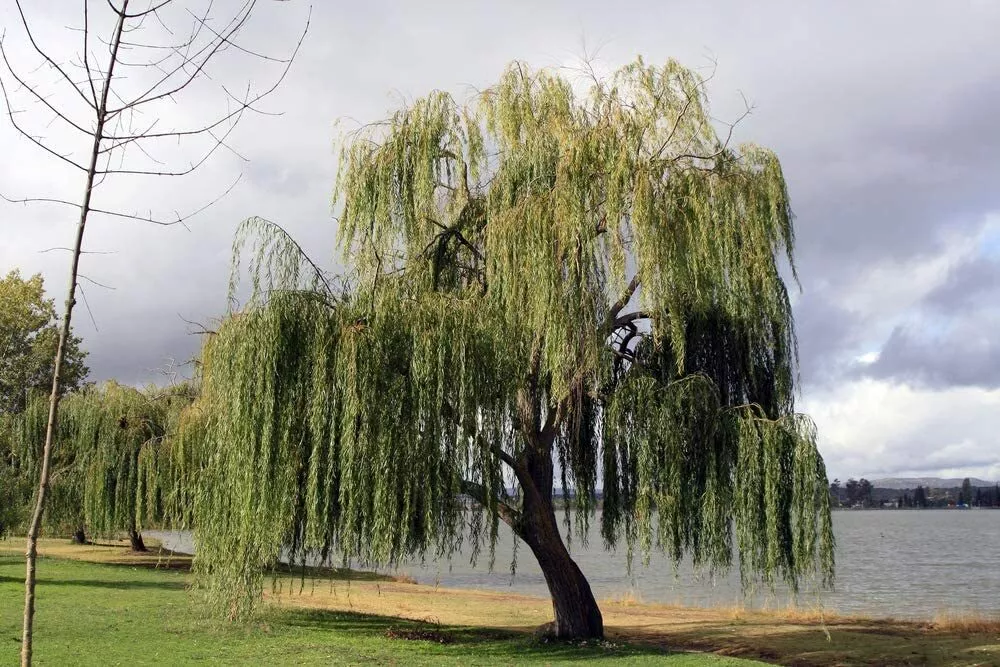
[29,334]
[835,492]
[105,458]
[151,52]
[865,490]
[853,492]
[12,482]
[545,285]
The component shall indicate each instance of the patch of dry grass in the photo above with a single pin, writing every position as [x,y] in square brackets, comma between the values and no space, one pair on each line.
[968,623]
[109,552]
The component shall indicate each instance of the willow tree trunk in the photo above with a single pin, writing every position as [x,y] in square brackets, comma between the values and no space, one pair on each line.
[135,540]
[577,615]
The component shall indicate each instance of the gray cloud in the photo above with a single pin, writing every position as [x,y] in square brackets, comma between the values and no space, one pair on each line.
[969,286]
[954,341]
[967,355]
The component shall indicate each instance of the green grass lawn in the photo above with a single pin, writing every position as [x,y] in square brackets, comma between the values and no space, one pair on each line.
[89,614]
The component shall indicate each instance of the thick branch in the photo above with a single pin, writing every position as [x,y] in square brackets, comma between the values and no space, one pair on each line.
[629,318]
[510,516]
[617,306]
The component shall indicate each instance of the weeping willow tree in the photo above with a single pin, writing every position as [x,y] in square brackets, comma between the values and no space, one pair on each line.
[12,483]
[544,286]
[105,475]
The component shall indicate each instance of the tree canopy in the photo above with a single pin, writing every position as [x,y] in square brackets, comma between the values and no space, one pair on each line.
[29,334]
[541,284]
[112,461]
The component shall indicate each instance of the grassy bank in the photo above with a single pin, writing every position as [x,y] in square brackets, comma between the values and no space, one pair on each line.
[111,607]
[122,610]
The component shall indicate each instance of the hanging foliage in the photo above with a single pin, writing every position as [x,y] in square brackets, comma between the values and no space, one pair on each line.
[105,473]
[541,285]
[13,489]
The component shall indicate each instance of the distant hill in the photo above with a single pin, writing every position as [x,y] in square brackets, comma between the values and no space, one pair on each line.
[932,482]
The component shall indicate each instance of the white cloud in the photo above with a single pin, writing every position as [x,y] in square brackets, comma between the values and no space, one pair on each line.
[880,428]
[867,358]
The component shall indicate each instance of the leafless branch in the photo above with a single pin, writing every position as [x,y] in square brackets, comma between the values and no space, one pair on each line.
[38,200]
[38,96]
[91,280]
[629,318]
[202,329]
[617,306]
[87,305]
[30,137]
[178,218]
[52,63]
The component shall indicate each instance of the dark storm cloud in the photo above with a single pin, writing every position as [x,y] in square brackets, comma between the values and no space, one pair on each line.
[970,286]
[891,191]
[954,342]
[966,355]
[823,330]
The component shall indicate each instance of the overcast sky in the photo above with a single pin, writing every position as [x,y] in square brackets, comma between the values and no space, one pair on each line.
[884,115]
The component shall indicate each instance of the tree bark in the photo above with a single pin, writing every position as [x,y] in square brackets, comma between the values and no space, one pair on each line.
[135,539]
[577,615]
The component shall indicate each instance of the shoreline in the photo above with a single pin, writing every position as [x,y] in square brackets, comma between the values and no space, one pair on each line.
[799,636]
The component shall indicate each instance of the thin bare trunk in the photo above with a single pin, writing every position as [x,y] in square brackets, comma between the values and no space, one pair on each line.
[31,552]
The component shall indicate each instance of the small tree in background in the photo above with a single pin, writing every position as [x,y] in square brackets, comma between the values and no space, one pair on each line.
[853,492]
[545,286]
[104,472]
[966,493]
[865,490]
[29,334]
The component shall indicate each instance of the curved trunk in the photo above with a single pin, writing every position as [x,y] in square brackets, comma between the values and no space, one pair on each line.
[577,615]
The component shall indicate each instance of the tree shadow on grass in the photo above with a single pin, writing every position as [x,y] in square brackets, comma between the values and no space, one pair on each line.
[99,583]
[838,643]
[506,646]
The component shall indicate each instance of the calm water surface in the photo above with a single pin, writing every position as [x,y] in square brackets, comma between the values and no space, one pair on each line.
[889,563]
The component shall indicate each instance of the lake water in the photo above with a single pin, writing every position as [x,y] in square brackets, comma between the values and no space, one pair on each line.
[889,563]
